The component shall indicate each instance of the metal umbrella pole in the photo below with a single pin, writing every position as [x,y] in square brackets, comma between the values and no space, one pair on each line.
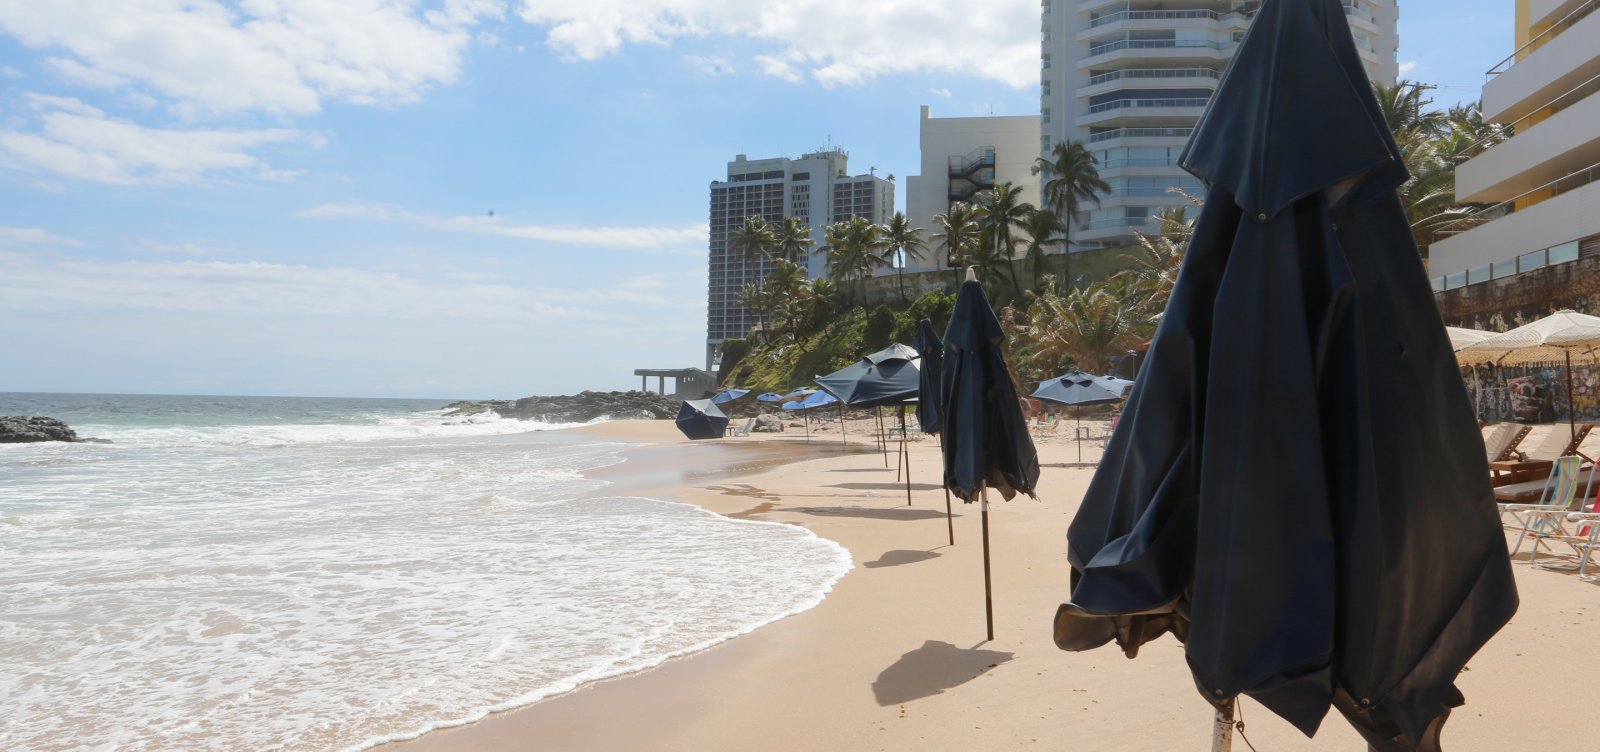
[842,434]
[988,590]
[905,454]
[806,416]
[1222,728]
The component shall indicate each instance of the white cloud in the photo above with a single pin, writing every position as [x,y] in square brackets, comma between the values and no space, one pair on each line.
[7,71]
[709,66]
[690,239]
[75,140]
[279,56]
[835,42]
[259,289]
[1406,67]
[941,93]
[32,236]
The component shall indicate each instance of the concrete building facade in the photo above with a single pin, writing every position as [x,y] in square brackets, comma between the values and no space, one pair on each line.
[817,189]
[961,157]
[1542,185]
[1130,78]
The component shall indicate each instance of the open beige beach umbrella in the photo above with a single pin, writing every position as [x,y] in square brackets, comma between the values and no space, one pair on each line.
[1461,337]
[1561,337]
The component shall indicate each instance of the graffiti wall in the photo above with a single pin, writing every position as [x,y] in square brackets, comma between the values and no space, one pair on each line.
[1533,394]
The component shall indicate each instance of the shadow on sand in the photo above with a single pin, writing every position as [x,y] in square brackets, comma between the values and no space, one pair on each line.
[896,513]
[898,557]
[931,669]
[885,486]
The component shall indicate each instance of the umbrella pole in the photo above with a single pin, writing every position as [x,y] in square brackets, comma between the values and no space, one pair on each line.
[905,454]
[1222,729]
[807,418]
[950,516]
[988,593]
[1077,430]
[842,434]
[883,439]
[1572,409]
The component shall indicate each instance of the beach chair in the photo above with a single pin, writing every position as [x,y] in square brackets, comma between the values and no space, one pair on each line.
[1587,540]
[1503,440]
[1546,521]
[1558,442]
[744,430]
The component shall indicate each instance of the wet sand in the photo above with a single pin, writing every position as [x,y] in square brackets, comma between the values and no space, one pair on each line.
[895,657]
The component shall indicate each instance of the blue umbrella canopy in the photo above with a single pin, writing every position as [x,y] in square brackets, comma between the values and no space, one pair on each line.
[798,394]
[700,419]
[817,399]
[769,397]
[728,395]
[1079,388]
[986,441]
[931,351]
[1123,384]
[886,377]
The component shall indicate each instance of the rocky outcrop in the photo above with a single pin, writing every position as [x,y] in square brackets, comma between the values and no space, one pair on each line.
[19,429]
[582,407]
[768,424]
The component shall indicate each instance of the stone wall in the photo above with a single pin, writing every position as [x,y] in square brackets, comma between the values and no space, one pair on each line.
[1500,304]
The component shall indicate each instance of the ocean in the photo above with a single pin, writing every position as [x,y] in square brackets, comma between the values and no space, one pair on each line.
[269,573]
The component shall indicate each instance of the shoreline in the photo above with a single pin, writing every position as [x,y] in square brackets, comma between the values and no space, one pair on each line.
[894,656]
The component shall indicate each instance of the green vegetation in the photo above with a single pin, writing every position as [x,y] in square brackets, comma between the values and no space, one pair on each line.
[1103,303]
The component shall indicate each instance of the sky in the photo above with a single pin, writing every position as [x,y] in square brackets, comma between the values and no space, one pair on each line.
[454,198]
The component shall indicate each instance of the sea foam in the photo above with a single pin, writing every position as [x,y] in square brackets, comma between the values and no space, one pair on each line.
[302,588]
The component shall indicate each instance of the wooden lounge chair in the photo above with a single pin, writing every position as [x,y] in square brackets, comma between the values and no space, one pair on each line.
[1558,443]
[1503,440]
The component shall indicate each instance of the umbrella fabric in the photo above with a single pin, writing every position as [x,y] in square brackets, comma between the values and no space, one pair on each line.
[1548,340]
[886,377]
[931,351]
[1122,384]
[724,397]
[798,394]
[1297,488]
[700,419]
[1460,337]
[1079,388]
[819,399]
[986,440]
[769,397]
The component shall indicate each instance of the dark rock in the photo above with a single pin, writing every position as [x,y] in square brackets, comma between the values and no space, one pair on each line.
[578,408]
[17,429]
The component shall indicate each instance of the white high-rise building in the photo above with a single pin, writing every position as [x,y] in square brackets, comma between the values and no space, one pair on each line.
[1130,78]
[961,157]
[1542,185]
[816,188]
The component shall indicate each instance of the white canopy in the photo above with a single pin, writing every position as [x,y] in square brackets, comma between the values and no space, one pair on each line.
[1551,339]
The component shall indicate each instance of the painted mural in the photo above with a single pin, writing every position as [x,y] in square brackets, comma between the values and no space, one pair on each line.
[1533,394]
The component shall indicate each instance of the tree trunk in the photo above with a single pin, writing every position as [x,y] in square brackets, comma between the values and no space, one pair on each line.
[1066,253]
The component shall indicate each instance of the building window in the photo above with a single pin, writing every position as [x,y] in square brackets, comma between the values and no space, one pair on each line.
[1044,144]
[1563,253]
[1044,116]
[1045,85]
[1045,57]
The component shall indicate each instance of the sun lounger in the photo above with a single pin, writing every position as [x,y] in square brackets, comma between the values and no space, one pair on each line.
[744,430]
[1503,440]
[1558,442]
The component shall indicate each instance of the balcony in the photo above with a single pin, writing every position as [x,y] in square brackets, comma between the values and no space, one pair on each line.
[1563,57]
[1144,74]
[1119,104]
[1143,109]
[1151,15]
[1139,133]
[1198,50]
[1572,212]
[1538,153]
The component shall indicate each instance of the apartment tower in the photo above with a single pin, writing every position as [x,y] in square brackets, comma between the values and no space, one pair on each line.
[1130,78]
[817,189]
[1540,187]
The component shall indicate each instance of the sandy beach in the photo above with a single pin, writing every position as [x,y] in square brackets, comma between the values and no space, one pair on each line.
[895,658]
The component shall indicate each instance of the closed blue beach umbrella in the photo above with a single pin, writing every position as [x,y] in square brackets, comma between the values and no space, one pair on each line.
[700,419]
[1297,488]
[986,442]
[931,350]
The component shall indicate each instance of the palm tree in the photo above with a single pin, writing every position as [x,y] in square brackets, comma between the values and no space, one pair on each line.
[991,266]
[754,240]
[902,244]
[958,228]
[1072,179]
[792,240]
[1404,108]
[854,249]
[1003,209]
[1041,229]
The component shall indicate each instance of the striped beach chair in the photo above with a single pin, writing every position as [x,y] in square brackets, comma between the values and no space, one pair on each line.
[1546,521]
